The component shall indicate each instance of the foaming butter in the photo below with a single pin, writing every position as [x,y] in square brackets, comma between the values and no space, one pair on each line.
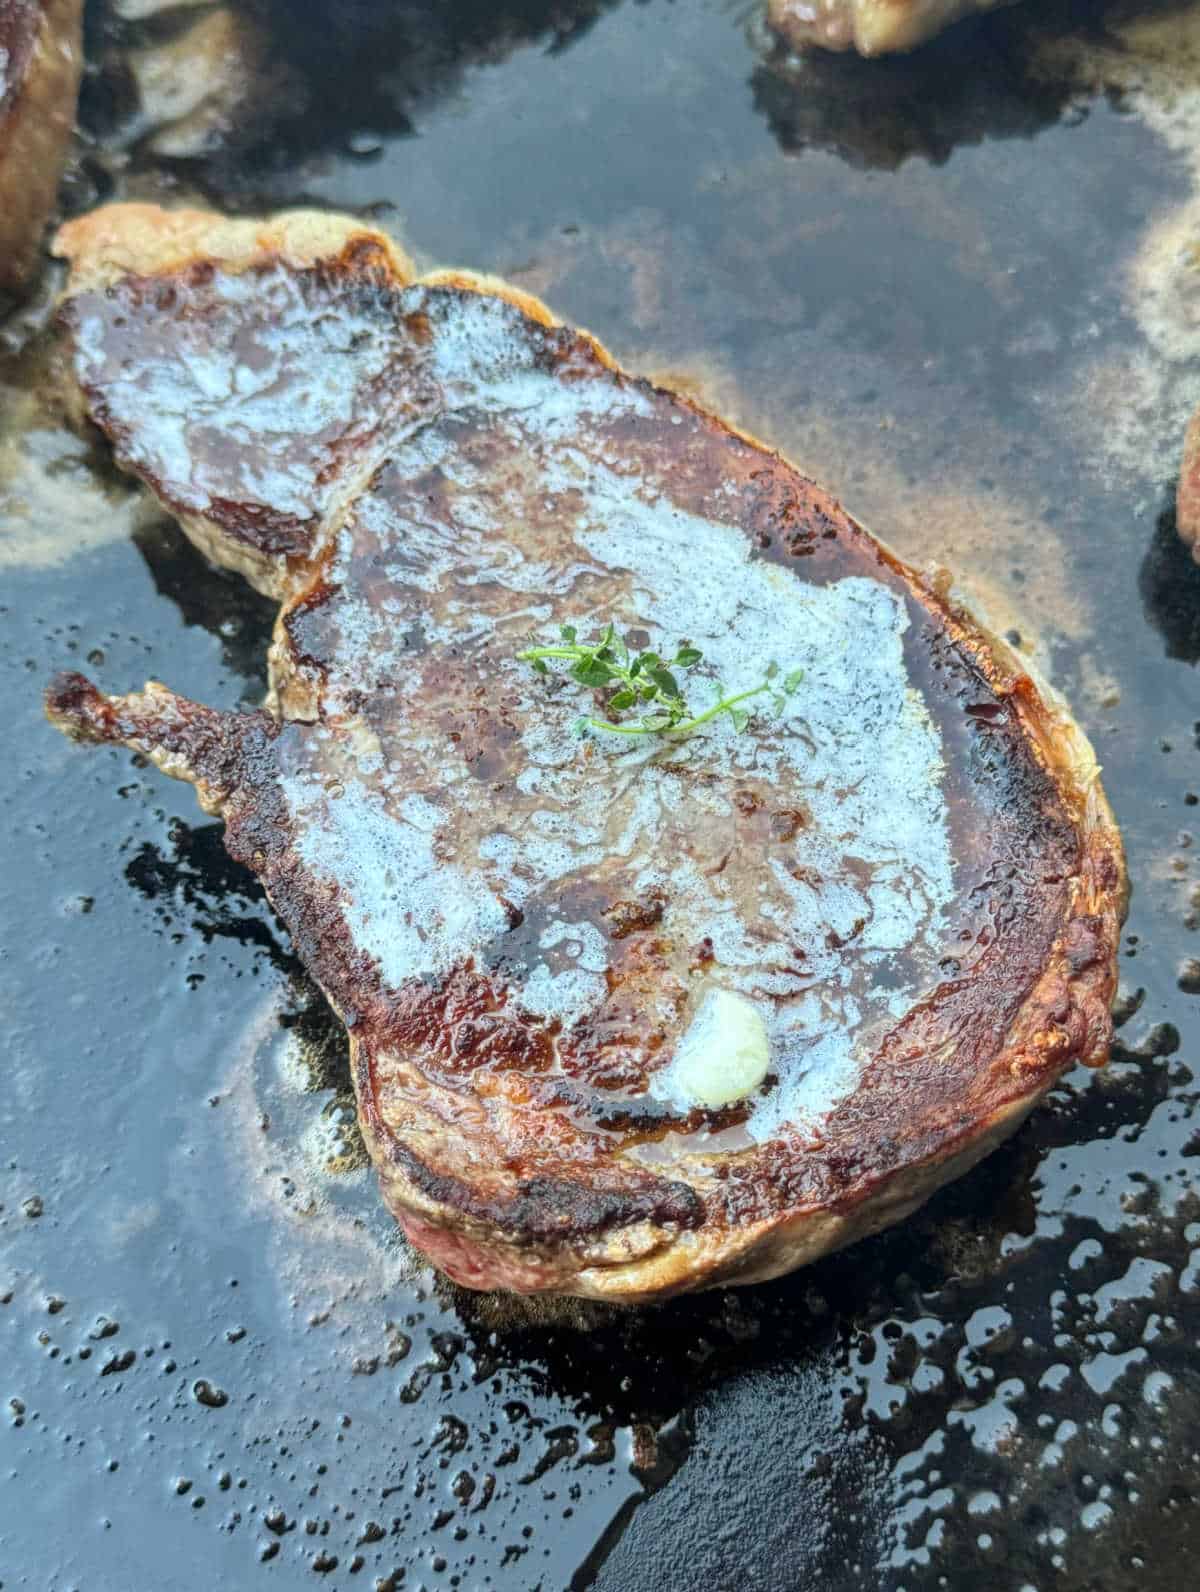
[723,1055]
[813,941]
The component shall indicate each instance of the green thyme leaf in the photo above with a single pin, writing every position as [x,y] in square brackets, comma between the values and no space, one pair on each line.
[666,682]
[646,681]
[592,671]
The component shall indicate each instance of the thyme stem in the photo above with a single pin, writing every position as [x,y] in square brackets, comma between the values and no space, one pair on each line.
[647,680]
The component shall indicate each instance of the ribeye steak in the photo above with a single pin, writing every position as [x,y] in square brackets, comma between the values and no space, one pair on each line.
[627,1017]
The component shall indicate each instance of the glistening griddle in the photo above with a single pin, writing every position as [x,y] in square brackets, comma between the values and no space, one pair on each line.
[949,287]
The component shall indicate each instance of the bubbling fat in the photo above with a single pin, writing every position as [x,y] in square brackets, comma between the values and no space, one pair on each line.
[813,944]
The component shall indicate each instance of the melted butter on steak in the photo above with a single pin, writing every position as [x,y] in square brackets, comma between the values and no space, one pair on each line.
[510,513]
[722,1056]
[245,394]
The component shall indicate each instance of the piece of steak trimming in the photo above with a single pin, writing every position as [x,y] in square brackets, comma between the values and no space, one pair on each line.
[41,57]
[872,27]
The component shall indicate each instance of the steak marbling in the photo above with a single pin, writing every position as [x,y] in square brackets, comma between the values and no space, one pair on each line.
[907,885]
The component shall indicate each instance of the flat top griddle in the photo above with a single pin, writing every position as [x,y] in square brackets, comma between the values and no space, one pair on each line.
[956,289]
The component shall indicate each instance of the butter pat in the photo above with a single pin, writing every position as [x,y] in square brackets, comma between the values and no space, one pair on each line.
[723,1056]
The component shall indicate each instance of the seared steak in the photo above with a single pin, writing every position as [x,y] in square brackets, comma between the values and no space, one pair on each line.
[41,55]
[872,27]
[627,1018]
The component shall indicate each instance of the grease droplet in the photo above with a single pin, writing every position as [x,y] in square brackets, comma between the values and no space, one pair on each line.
[206,1393]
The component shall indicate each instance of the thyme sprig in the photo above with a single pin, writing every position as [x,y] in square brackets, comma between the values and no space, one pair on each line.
[647,681]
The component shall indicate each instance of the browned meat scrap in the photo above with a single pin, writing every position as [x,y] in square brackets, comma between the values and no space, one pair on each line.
[1187,503]
[628,1015]
[40,60]
[872,27]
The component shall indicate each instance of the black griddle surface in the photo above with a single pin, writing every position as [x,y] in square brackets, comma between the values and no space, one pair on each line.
[933,283]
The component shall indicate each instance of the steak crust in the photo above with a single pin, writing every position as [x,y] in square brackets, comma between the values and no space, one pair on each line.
[41,56]
[910,875]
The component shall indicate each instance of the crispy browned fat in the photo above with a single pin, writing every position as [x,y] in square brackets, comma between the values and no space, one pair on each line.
[41,56]
[627,1017]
